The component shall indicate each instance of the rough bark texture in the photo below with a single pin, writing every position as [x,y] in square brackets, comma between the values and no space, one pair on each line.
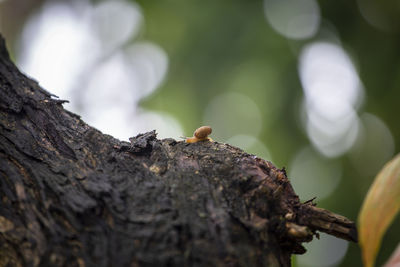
[72,196]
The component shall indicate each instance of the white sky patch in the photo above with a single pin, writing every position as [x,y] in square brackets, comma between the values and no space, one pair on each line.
[115,22]
[84,53]
[111,86]
[149,63]
[332,95]
[118,84]
[53,44]
[326,69]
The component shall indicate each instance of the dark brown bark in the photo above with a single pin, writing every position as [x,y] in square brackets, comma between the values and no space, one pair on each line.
[72,196]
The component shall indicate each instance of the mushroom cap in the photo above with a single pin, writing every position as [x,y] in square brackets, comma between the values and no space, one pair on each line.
[203,132]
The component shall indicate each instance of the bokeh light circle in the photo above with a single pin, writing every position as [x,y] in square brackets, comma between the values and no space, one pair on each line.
[232,114]
[314,176]
[327,251]
[295,19]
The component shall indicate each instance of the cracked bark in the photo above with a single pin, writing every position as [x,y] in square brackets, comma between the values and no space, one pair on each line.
[72,196]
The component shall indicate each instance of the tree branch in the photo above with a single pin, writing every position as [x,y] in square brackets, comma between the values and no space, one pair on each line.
[71,195]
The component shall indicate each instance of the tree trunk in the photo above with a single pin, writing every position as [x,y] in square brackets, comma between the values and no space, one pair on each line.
[72,196]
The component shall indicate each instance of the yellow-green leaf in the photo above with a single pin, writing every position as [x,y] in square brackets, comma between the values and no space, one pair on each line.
[380,206]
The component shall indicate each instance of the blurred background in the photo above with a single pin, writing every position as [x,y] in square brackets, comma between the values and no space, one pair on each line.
[313,86]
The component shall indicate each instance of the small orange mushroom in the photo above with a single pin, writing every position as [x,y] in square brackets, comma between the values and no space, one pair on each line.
[201,134]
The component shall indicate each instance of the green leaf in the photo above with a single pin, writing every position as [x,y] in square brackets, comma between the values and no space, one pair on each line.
[380,206]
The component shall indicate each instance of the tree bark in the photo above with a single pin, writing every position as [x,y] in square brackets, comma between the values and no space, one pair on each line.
[72,196]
